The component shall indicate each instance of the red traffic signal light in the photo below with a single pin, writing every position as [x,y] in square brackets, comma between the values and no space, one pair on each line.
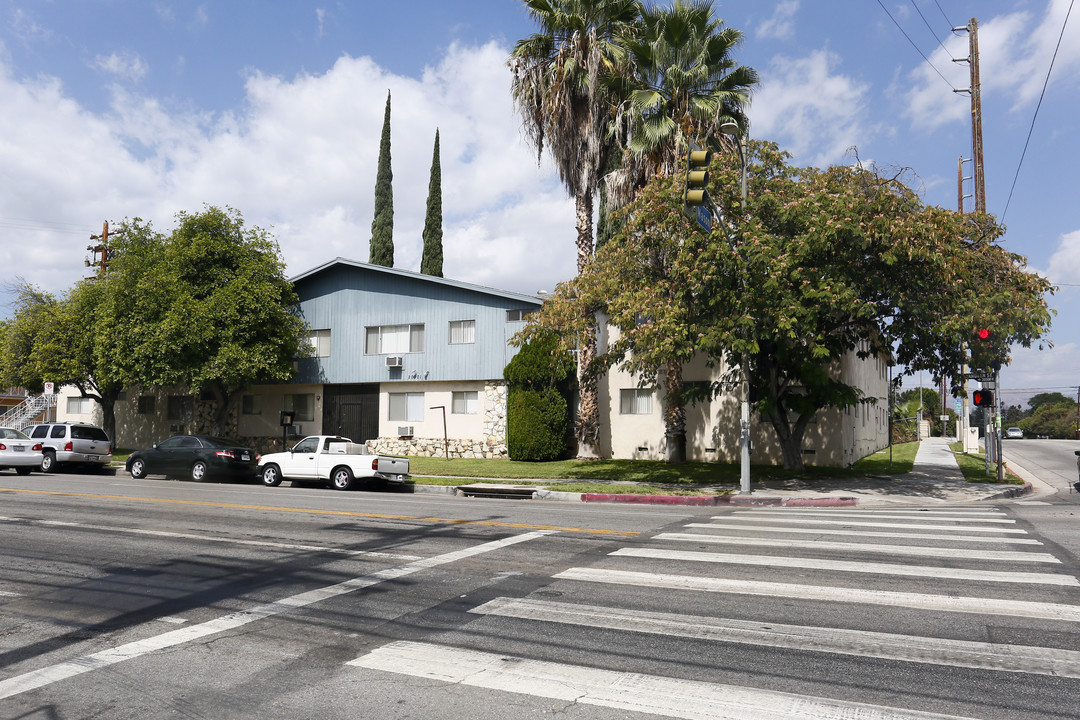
[983,334]
[983,398]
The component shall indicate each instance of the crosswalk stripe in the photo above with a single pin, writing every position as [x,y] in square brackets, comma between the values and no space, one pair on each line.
[884,514]
[865,523]
[671,697]
[867,533]
[913,550]
[848,566]
[889,646]
[939,603]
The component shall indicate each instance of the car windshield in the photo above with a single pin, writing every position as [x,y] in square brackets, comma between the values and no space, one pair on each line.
[86,432]
[11,434]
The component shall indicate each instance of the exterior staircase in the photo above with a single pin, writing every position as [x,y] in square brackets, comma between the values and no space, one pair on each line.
[26,412]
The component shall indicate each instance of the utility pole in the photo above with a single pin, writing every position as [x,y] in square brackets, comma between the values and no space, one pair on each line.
[975,92]
[101,252]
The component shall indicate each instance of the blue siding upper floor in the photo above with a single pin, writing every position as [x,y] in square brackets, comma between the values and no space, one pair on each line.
[347,297]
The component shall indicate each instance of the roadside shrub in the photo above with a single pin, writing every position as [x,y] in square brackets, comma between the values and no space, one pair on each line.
[540,379]
[537,424]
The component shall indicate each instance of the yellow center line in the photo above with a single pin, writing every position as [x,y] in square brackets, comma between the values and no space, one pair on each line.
[377,516]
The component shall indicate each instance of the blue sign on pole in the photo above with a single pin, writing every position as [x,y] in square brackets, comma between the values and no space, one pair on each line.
[703,217]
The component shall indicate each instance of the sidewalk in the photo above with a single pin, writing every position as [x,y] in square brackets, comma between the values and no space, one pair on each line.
[935,478]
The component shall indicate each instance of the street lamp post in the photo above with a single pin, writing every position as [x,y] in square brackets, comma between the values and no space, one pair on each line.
[733,130]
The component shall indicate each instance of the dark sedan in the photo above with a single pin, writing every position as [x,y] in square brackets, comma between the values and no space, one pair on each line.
[196,456]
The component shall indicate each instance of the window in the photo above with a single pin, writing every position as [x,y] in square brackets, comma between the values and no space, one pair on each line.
[251,405]
[302,405]
[394,340]
[406,406]
[464,403]
[40,431]
[58,431]
[635,402]
[462,332]
[320,343]
[517,315]
[146,405]
[78,405]
[307,445]
[180,407]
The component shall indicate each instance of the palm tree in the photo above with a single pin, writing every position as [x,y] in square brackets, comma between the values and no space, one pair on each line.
[684,86]
[561,77]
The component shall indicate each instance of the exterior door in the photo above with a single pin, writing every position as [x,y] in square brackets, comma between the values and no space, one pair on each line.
[351,411]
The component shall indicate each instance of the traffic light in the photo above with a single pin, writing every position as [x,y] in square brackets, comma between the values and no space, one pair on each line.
[983,398]
[983,334]
[697,178]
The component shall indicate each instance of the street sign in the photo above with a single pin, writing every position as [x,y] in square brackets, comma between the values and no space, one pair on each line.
[703,217]
[957,404]
[50,389]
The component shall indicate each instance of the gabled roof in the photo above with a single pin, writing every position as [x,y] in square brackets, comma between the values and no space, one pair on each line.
[345,262]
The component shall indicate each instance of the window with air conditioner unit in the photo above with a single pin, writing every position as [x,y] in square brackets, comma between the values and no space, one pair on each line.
[394,361]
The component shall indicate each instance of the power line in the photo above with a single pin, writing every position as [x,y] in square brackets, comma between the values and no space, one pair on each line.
[901,29]
[1039,105]
[927,24]
[951,23]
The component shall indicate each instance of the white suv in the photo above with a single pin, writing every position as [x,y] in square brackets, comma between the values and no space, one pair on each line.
[87,445]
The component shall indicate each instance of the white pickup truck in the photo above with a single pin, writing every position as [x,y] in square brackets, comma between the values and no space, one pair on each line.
[331,459]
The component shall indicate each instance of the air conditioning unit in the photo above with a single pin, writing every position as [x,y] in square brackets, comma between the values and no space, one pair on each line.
[405,431]
[394,361]
[293,430]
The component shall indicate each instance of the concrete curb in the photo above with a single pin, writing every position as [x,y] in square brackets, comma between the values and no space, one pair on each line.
[712,500]
[1014,491]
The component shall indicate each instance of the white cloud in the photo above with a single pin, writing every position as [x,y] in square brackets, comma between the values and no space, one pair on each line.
[1015,52]
[1064,264]
[807,107]
[782,23]
[126,65]
[1035,370]
[298,158]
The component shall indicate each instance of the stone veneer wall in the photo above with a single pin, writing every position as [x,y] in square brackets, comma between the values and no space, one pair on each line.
[492,445]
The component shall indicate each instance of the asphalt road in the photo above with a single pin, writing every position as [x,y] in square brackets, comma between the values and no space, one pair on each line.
[159,599]
[1052,461]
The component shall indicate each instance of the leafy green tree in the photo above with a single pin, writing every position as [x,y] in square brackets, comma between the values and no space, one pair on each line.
[31,320]
[382,226]
[206,307]
[432,261]
[1053,398]
[560,78]
[821,264]
[1053,420]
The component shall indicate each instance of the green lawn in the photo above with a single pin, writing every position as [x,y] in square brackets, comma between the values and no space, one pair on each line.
[974,467]
[645,475]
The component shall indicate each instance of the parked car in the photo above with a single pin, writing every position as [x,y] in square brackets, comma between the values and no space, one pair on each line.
[196,456]
[334,460]
[71,444]
[18,451]
[1014,433]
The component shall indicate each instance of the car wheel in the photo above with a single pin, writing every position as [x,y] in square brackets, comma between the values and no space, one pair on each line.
[138,468]
[23,470]
[48,462]
[198,471]
[342,478]
[271,475]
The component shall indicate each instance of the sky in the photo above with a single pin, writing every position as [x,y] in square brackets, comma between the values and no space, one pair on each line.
[115,109]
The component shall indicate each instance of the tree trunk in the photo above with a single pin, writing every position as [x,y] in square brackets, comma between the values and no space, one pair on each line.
[674,415]
[222,399]
[588,419]
[790,438]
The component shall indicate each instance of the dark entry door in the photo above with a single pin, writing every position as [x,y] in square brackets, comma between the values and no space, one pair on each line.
[351,411]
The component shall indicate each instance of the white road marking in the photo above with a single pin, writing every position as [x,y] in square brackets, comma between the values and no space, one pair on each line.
[990,517]
[866,533]
[211,538]
[48,675]
[1033,502]
[864,523]
[915,550]
[889,646]
[670,697]
[938,603]
[7,593]
[173,620]
[857,567]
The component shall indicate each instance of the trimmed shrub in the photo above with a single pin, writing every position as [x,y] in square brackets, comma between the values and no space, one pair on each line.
[537,424]
[540,378]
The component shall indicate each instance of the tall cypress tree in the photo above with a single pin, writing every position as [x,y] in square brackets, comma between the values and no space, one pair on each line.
[382,226]
[431,262]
